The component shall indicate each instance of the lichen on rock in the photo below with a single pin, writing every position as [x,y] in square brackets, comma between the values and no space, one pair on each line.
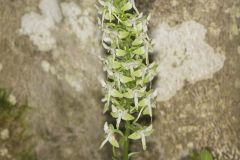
[183,55]
[38,26]
[74,29]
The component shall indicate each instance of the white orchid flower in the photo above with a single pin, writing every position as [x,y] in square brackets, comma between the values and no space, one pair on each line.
[119,78]
[111,63]
[111,92]
[137,93]
[134,6]
[120,114]
[115,76]
[133,21]
[149,103]
[108,37]
[142,134]
[145,70]
[109,131]
[110,8]
[131,65]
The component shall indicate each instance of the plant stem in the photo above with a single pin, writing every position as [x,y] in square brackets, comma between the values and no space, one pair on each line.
[126,142]
[114,153]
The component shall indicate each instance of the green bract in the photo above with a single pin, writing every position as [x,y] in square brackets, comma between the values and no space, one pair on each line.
[129,73]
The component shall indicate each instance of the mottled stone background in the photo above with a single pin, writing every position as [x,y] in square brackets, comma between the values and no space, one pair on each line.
[49,57]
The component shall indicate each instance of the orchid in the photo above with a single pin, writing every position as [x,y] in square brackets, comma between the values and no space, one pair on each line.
[111,92]
[121,114]
[128,89]
[110,131]
[146,73]
[142,134]
[135,94]
[149,103]
[134,6]
[131,65]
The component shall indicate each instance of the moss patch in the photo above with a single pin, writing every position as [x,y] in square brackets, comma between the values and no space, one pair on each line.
[201,155]
[16,141]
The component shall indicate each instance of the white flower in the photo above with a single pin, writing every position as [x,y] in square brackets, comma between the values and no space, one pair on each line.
[149,103]
[111,92]
[134,6]
[137,93]
[121,114]
[142,134]
[132,65]
[148,71]
[109,131]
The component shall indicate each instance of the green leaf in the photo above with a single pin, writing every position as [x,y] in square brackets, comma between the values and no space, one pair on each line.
[134,136]
[125,79]
[139,51]
[106,108]
[127,6]
[128,95]
[133,154]
[113,142]
[120,52]
[116,93]
[139,27]
[114,115]
[137,73]
[114,101]
[109,24]
[131,64]
[115,10]
[118,131]
[109,17]
[137,42]
[148,78]
[116,65]
[147,111]
[148,131]
[127,117]
[205,155]
[140,82]
[111,127]
[143,102]
[127,23]
[123,34]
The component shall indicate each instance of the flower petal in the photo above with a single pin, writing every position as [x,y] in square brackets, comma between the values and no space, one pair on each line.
[123,34]
[127,6]
[139,51]
[127,117]
[120,52]
[113,141]
[135,136]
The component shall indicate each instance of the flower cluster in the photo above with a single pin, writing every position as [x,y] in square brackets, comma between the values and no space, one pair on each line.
[129,73]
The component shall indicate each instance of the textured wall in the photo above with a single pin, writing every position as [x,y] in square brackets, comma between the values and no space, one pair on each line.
[49,55]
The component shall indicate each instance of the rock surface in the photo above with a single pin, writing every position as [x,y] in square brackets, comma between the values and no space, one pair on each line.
[1,67]
[4,134]
[183,55]
[50,52]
